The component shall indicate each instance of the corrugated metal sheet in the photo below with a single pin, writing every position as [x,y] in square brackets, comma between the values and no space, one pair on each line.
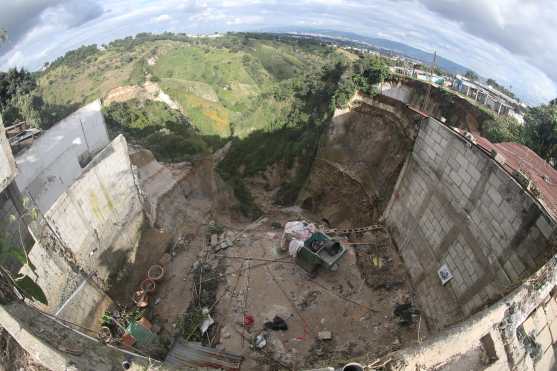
[187,354]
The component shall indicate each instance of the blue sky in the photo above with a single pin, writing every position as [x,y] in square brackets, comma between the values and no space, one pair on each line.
[513,41]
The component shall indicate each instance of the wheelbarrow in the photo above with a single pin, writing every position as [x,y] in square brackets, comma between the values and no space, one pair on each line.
[318,251]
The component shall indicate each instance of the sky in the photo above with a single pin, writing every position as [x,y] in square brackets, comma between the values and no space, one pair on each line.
[512,41]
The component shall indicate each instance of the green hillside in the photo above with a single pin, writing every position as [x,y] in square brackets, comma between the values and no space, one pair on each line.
[233,84]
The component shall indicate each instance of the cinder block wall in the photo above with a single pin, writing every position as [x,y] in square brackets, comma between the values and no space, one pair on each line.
[455,205]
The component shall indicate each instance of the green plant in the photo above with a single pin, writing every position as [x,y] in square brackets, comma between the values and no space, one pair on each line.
[164,131]
[503,129]
[25,285]
[106,319]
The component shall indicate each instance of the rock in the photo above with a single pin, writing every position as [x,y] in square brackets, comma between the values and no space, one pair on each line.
[214,240]
[225,334]
[325,335]
[195,265]
[220,347]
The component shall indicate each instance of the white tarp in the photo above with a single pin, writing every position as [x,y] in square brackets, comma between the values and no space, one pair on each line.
[295,233]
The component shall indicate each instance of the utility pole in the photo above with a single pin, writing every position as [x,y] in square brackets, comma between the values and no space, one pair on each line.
[84,136]
[426,100]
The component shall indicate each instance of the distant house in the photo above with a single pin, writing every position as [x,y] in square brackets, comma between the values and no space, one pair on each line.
[420,75]
[488,96]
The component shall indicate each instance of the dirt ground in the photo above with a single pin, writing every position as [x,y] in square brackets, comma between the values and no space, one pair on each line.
[355,302]
[358,314]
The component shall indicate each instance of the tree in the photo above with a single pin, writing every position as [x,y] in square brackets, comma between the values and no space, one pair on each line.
[369,72]
[503,129]
[15,81]
[471,75]
[29,108]
[540,131]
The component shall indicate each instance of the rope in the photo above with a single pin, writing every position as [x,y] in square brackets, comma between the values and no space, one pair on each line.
[342,297]
[256,259]
[374,227]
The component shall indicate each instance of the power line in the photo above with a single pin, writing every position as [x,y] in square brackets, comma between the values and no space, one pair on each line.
[426,100]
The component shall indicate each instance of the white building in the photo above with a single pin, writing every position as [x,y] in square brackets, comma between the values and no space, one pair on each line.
[497,101]
[57,158]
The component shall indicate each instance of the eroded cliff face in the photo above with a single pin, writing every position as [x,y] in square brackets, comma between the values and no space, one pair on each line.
[458,111]
[359,160]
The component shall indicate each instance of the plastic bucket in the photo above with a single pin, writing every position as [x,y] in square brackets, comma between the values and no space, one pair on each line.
[353,367]
[156,272]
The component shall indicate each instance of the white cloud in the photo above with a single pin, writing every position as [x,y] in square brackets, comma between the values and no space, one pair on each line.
[162,18]
[509,40]
[17,59]
[523,27]
[245,20]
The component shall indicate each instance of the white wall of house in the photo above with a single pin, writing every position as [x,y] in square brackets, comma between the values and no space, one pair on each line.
[51,164]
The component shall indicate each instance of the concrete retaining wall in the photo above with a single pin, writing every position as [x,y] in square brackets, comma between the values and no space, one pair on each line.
[85,306]
[58,347]
[494,338]
[100,216]
[455,205]
[7,164]
[92,230]
[52,163]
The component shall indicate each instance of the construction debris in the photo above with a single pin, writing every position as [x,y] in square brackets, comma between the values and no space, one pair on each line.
[207,322]
[260,341]
[325,335]
[277,324]
[406,313]
[187,354]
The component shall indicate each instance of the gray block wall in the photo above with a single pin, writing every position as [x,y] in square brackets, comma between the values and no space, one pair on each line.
[455,205]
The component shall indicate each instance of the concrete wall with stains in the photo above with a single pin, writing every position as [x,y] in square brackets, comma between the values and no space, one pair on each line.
[455,205]
[92,230]
[99,217]
[519,332]
[55,160]
[7,164]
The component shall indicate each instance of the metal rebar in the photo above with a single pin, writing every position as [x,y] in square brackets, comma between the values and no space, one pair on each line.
[256,259]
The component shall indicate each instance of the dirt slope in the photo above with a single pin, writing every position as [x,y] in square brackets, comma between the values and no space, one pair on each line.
[359,161]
